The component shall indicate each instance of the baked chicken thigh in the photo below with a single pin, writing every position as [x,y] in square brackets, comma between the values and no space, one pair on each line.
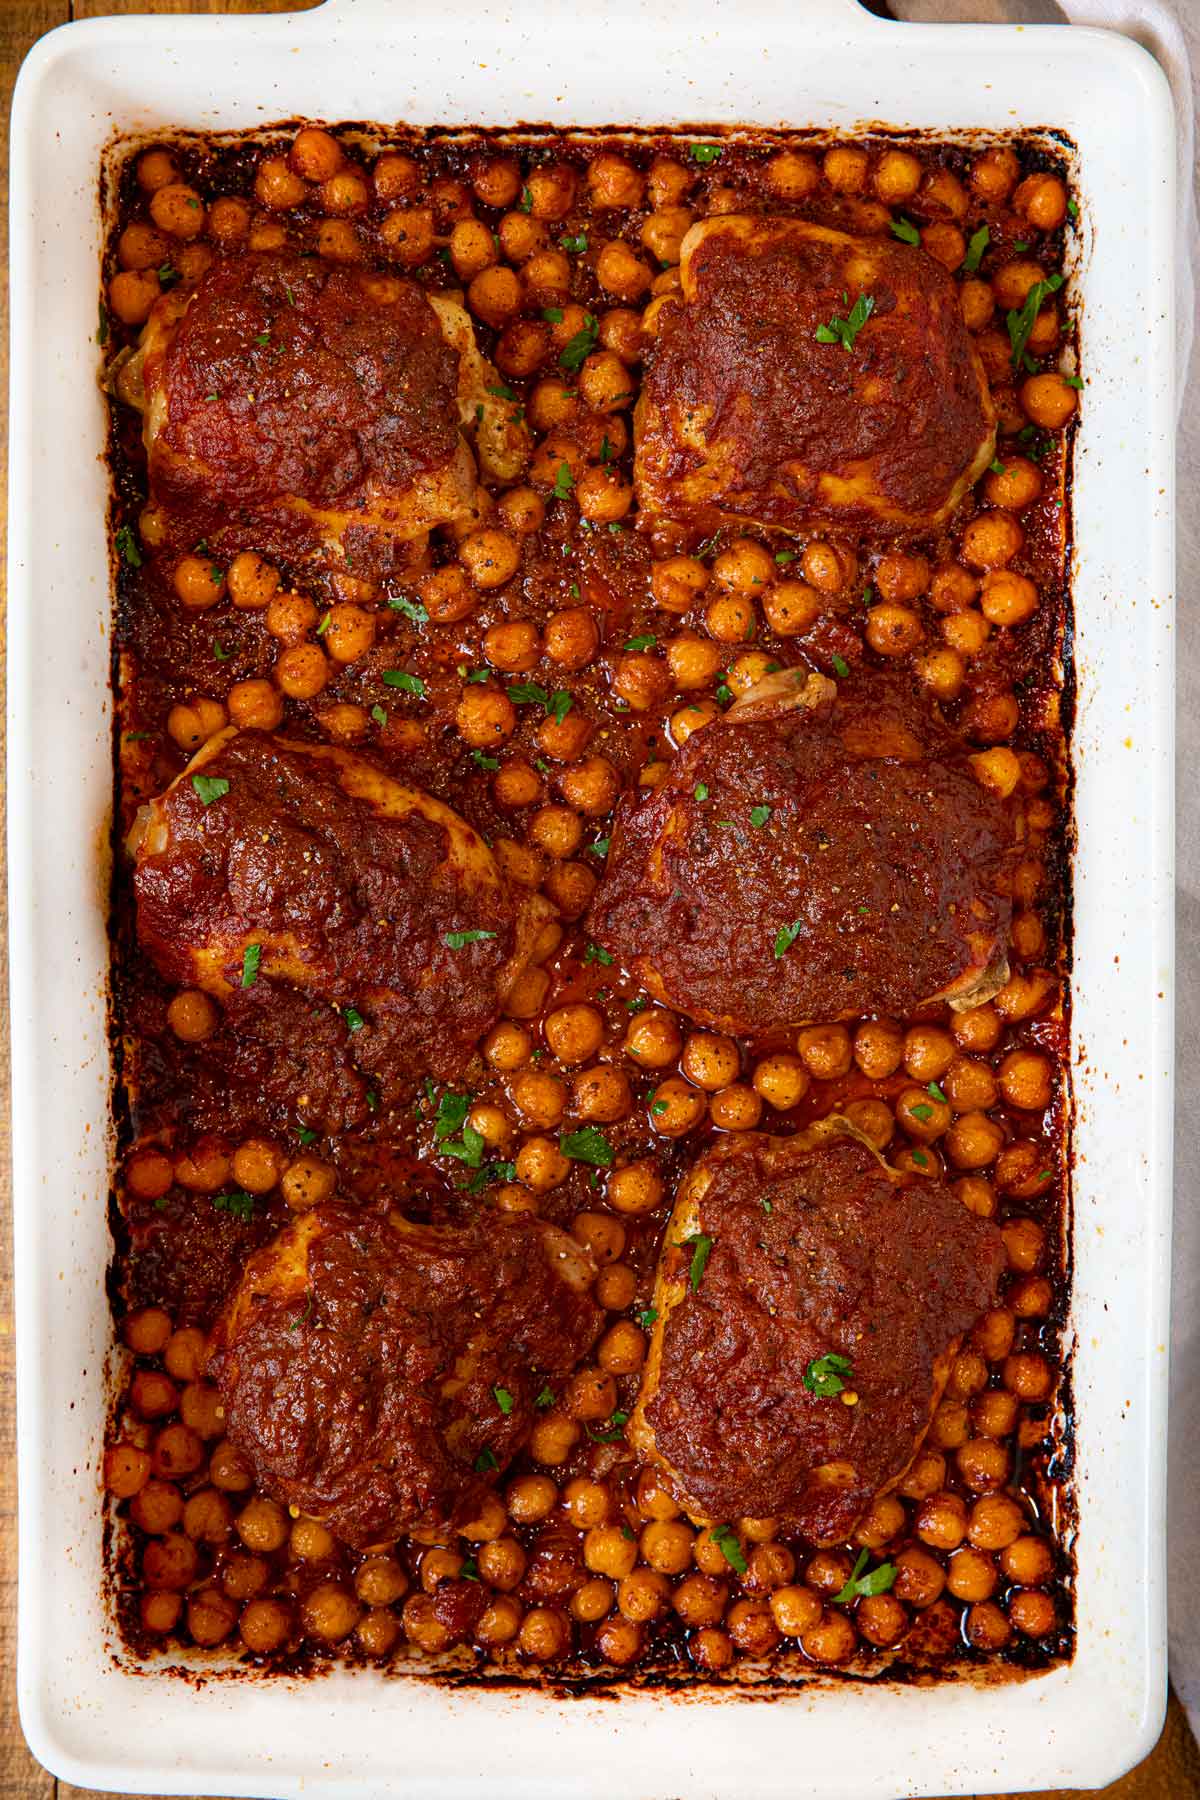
[271,862]
[810,378]
[379,1372]
[315,412]
[822,852]
[810,1301]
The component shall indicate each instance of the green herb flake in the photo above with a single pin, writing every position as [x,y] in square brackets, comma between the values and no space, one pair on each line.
[1073,211]
[860,1586]
[594,954]
[504,1400]
[574,590]
[408,684]
[759,815]
[251,957]
[458,940]
[558,705]
[828,1375]
[936,1092]
[785,937]
[587,1146]
[647,1317]
[905,230]
[575,244]
[726,1540]
[469,1570]
[264,337]
[412,609]
[841,666]
[996,467]
[526,200]
[503,392]
[920,1158]
[239,1204]
[784,557]
[581,345]
[658,1108]
[706,154]
[1073,381]
[922,1112]
[613,1435]
[380,717]
[484,762]
[527,693]
[700,1245]
[307,1135]
[845,331]
[564,481]
[1020,245]
[128,546]
[600,847]
[486,1461]
[354,1019]
[701,790]
[977,243]
[210,787]
[544,1399]
[1020,323]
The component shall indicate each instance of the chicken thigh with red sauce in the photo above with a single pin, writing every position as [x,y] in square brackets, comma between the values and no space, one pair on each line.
[810,1301]
[379,1373]
[822,852]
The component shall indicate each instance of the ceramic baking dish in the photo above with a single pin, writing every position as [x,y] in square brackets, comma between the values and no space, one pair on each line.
[90,1717]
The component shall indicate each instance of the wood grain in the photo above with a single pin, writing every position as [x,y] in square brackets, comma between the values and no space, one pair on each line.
[1172,1772]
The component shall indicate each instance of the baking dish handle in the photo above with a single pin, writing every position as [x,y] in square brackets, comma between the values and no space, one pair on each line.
[822,18]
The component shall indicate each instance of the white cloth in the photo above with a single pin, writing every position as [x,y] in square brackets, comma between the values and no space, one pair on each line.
[1170,30]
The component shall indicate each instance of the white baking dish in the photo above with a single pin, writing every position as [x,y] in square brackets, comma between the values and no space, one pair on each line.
[810,62]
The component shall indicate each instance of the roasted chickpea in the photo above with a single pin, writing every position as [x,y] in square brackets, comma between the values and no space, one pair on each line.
[677,1108]
[825,1051]
[1049,401]
[678,582]
[781,1080]
[893,630]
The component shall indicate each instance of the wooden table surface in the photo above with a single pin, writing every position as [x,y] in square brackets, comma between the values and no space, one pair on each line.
[1172,1772]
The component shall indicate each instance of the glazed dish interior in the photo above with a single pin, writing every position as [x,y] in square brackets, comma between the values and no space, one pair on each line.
[590,912]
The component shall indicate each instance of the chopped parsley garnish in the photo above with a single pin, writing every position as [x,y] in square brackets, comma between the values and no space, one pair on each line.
[372,1100]
[705,154]
[575,244]
[264,337]
[827,1375]
[646,1318]
[524,693]
[845,331]
[503,392]
[861,1586]
[600,847]
[564,481]
[486,1461]
[380,718]
[167,275]
[841,666]
[977,243]
[219,651]
[210,787]
[553,315]
[458,940]
[613,1436]
[905,230]
[936,1092]
[504,1400]
[323,627]
[526,200]
[606,450]
[485,762]
[581,345]
[726,1540]
[558,705]
[641,643]
[658,1108]
[1020,245]
[996,467]
[412,609]
[785,937]
[1021,323]
[921,1112]
[469,1570]
[594,954]
[701,790]
[784,557]
[408,684]
[920,1158]
[574,590]
[544,1399]
[759,815]
[587,1146]
[127,544]
[700,1245]
[1073,211]
[239,1204]
[354,1019]
[251,957]
[1073,381]
[307,1135]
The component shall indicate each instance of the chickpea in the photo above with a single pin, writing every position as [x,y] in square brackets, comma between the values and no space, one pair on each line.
[634,1188]
[735,1108]
[874,1119]
[920,1578]
[530,1499]
[601,1094]
[570,886]
[200,1409]
[710,1061]
[552,190]
[608,1551]
[491,558]
[229,1469]
[306,1183]
[132,293]
[678,582]
[485,716]
[255,705]
[831,1640]
[262,1526]
[615,1287]
[603,1235]
[974,1141]
[406,235]
[330,1613]
[1028,1560]
[301,671]
[1027,1080]
[126,1470]
[574,1033]
[1049,401]
[825,1051]
[896,176]
[893,630]
[177,210]
[881,1619]
[781,1080]
[983,1463]
[541,1165]
[978,306]
[994,1414]
[1041,200]
[743,568]
[826,567]
[730,619]
[845,168]
[677,1108]
[148,1330]
[653,1039]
